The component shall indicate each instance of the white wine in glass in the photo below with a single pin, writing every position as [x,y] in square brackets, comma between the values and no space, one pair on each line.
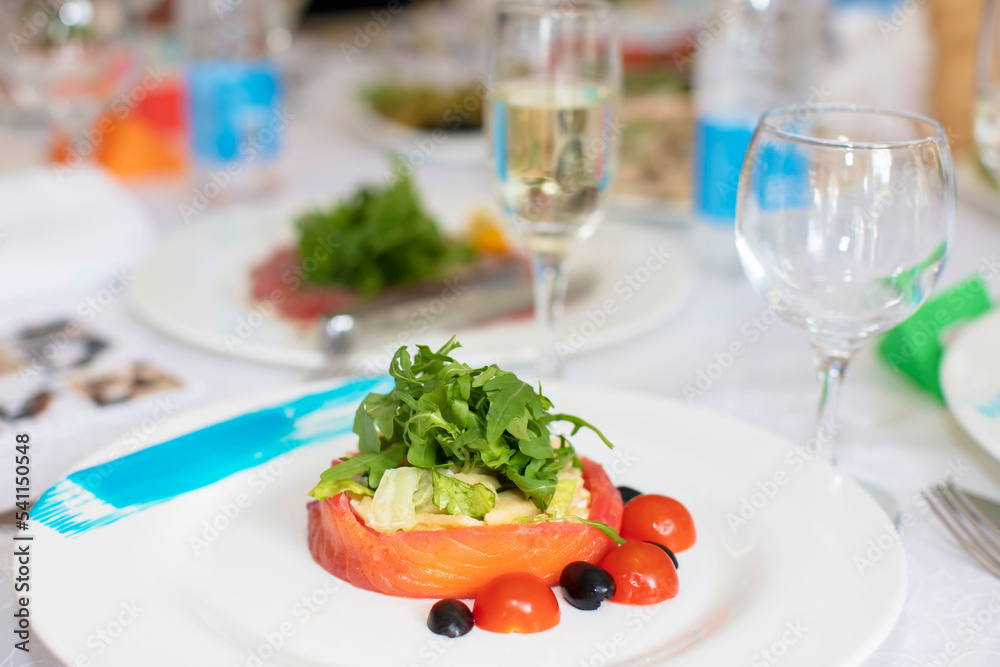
[552,131]
[550,161]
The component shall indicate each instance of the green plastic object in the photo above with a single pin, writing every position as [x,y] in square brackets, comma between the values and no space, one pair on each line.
[916,346]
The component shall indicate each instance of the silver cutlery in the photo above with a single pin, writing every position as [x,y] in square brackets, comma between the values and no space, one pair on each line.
[493,292]
[967,523]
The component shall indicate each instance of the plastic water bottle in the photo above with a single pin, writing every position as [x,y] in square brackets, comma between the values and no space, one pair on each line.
[752,55]
[235,98]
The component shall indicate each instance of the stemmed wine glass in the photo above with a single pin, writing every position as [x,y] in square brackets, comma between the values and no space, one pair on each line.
[844,218]
[986,128]
[555,77]
[63,61]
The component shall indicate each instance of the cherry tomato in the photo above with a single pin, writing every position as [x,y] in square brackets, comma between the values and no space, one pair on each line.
[643,573]
[653,518]
[516,602]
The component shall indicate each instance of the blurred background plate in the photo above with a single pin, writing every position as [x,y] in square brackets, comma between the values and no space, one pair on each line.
[195,287]
[970,380]
[451,148]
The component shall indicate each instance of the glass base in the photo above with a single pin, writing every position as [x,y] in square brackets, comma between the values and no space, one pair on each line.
[885,501]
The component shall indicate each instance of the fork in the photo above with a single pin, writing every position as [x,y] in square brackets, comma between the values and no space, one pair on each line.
[977,534]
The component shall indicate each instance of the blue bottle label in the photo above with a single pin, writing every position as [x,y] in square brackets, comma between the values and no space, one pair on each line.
[719,147]
[782,177]
[235,110]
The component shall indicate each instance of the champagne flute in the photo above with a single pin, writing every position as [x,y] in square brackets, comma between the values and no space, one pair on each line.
[555,77]
[844,219]
[986,123]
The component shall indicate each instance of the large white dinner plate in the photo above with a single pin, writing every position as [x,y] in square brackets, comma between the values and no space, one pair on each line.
[195,287]
[970,380]
[814,575]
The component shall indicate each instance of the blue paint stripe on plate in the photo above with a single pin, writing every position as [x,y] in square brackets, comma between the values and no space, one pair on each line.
[102,494]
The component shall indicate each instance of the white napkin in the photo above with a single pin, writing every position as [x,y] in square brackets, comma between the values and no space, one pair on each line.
[67,234]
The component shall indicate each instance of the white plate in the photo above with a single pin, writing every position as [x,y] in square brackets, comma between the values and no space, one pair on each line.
[459,149]
[195,287]
[815,577]
[970,381]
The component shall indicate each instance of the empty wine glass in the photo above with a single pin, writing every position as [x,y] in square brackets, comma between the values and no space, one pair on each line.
[986,128]
[555,74]
[844,219]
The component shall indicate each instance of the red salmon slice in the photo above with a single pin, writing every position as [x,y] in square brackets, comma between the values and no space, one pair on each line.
[457,562]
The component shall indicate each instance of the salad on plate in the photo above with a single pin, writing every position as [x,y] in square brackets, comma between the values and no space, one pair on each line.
[465,486]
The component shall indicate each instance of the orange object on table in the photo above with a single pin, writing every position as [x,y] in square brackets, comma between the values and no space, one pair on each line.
[142,134]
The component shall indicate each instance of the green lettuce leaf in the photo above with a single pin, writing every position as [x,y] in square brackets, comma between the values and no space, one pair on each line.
[330,488]
[453,496]
[562,497]
[394,505]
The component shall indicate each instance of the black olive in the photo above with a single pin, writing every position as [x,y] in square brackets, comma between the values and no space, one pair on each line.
[670,553]
[450,618]
[585,586]
[628,493]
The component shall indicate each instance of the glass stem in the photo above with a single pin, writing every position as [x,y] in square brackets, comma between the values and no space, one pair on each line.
[550,300]
[830,369]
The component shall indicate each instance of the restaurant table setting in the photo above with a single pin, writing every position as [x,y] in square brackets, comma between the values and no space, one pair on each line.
[178,368]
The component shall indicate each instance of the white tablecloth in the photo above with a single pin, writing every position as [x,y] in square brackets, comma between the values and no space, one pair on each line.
[894,434]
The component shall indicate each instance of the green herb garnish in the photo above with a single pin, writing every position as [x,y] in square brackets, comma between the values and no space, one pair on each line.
[603,527]
[379,238]
[445,414]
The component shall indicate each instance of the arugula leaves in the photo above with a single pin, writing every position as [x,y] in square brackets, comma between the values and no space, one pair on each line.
[377,239]
[444,413]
